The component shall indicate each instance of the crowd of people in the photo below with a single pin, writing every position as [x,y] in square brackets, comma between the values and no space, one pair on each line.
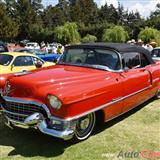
[148,46]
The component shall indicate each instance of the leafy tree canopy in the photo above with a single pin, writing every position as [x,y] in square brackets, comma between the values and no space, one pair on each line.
[149,34]
[115,34]
[8,28]
[89,38]
[67,34]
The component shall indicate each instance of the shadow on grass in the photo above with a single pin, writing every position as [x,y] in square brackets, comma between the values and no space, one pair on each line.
[31,143]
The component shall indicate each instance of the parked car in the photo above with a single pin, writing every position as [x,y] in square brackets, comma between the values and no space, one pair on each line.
[32,45]
[156,53]
[24,42]
[11,62]
[91,82]
[3,47]
[52,47]
[49,57]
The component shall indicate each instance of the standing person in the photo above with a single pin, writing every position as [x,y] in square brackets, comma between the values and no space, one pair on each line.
[148,47]
[133,42]
[59,50]
[43,46]
[153,44]
[140,43]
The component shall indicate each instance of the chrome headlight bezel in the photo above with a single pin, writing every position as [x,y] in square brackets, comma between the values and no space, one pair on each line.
[54,102]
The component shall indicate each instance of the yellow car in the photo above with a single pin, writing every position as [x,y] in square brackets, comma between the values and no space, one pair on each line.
[11,62]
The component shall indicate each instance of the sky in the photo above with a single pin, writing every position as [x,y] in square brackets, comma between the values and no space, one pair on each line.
[145,7]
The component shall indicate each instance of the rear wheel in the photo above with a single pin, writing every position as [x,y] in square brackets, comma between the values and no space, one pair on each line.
[85,126]
[158,94]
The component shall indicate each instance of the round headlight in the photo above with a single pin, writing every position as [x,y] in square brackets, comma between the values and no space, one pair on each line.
[54,102]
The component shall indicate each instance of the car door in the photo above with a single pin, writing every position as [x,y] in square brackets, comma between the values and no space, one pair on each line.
[22,63]
[137,80]
[114,81]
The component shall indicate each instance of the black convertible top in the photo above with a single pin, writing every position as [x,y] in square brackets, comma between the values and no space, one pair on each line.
[119,47]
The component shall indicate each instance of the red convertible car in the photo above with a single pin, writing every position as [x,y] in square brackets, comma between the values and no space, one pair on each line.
[90,82]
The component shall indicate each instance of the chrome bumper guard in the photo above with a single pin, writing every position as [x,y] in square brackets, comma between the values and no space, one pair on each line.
[39,121]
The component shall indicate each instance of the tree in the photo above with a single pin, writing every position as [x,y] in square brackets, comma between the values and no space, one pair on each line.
[120,14]
[38,33]
[27,13]
[89,38]
[10,8]
[8,28]
[37,6]
[64,6]
[53,17]
[115,34]
[84,11]
[67,34]
[109,14]
[149,34]
[154,19]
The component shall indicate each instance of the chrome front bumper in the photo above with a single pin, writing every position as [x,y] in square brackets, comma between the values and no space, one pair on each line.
[65,134]
[39,121]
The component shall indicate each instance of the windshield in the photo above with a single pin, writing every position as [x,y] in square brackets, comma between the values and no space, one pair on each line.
[5,59]
[95,58]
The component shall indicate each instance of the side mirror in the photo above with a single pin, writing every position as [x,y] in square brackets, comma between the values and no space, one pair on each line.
[38,64]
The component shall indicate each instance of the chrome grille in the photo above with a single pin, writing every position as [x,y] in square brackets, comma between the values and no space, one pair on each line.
[19,111]
[15,117]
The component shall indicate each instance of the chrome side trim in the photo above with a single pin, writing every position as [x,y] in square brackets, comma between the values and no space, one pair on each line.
[125,112]
[117,99]
[107,104]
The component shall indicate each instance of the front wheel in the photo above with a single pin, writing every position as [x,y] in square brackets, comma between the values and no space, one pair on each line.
[85,126]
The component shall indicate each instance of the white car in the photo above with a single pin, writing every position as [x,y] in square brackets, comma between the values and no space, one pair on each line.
[52,47]
[32,45]
[156,53]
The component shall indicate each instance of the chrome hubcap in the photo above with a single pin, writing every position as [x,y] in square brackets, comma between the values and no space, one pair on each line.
[85,126]
[84,123]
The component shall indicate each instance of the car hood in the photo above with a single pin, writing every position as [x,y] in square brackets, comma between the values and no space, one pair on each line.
[68,83]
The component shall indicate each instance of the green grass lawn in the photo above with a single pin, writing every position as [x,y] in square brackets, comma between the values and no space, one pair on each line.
[136,131]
